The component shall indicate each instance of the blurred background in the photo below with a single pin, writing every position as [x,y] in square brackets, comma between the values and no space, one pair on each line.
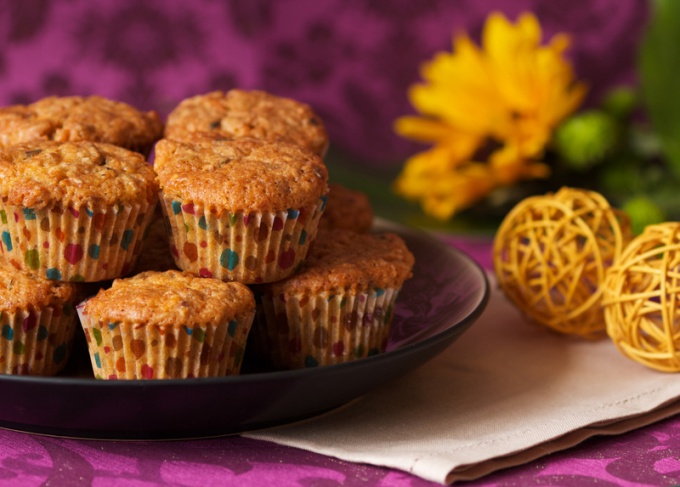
[352,60]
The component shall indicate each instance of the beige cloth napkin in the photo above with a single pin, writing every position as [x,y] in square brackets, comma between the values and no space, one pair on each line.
[505,393]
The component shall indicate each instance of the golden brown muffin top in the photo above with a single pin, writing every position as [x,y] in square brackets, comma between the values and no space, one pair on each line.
[345,260]
[240,175]
[171,298]
[255,114]
[75,118]
[20,290]
[347,209]
[75,174]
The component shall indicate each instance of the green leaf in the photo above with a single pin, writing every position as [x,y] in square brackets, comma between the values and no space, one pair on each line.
[659,63]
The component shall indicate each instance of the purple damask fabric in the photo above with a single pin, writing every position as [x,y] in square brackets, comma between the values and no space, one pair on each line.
[646,457]
[353,60]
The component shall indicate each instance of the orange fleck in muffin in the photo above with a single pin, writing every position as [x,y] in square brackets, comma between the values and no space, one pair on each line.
[347,209]
[75,118]
[167,325]
[37,322]
[339,307]
[75,210]
[243,210]
[254,114]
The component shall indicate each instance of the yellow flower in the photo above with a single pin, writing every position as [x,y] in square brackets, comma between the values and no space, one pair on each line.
[443,192]
[508,166]
[489,111]
[458,145]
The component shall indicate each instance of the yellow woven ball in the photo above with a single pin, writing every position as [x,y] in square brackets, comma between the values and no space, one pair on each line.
[642,300]
[551,253]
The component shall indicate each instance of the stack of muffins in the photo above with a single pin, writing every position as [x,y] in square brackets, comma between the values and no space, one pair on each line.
[245,211]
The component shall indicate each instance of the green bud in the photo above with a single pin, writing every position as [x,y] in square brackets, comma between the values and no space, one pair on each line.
[586,139]
[619,102]
[642,212]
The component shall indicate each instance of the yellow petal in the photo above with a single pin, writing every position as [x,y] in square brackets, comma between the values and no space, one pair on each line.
[423,129]
[509,166]
[529,29]
[438,160]
[457,190]
[461,90]
[465,107]
[560,43]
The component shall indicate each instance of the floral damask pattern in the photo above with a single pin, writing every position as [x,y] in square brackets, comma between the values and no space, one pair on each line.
[352,60]
[645,457]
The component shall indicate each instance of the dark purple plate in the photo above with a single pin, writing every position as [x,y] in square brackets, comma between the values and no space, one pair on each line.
[447,293]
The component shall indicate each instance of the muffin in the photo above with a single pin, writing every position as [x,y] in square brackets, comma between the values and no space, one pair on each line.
[37,322]
[156,254]
[347,209]
[240,210]
[253,114]
[75,118]
[75,211]
[167,325]
[339,307]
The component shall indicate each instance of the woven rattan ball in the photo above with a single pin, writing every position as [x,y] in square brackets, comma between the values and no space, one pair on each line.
[551,253]
[642,298]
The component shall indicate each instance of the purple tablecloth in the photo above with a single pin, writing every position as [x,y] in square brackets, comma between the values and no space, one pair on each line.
[353,61]
[648,456]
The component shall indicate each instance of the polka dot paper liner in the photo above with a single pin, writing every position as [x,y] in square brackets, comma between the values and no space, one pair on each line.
[36,341]
[249,248]
[78,245]
[311,330]
[139,351]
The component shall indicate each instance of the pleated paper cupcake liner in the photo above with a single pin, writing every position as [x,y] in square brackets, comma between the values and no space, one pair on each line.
[37,341]
[78,245]
[311,330]
[249,248]
[140,351]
